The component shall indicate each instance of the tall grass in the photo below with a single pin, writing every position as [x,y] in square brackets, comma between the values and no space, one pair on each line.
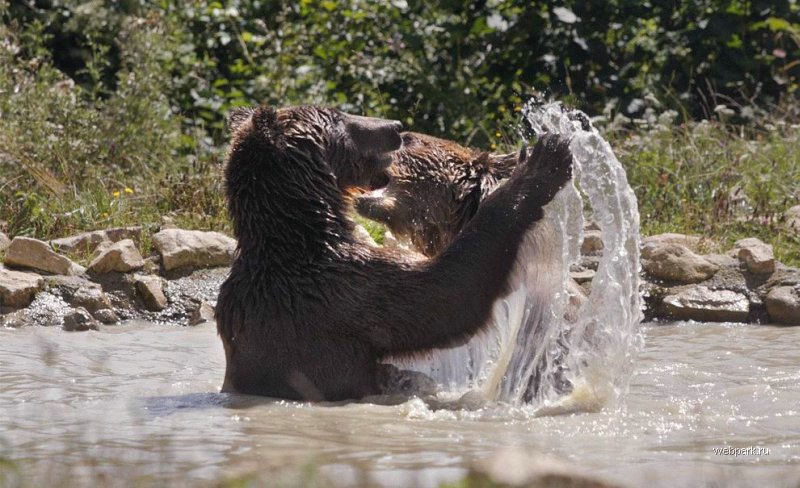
[716,180]
[73,159]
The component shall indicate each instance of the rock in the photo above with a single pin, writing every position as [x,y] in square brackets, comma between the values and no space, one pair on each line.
[705,305]
[79,320]
[792,219]
[577,297]
[515,468]
[122,257]
[592,242]
[582,276]
[756,255]
[202,314]
[14,320]
[88,241]
[193,249]
[4,242]
[25,252]
[79,292]
[17,289]
[92,299]
[167,222]
[691,242]
[675,262]
[151,290]
[106,316]
[783,305]
[362,235]
[722,260]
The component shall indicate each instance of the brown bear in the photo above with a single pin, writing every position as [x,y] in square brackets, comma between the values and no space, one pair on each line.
[432,189]
[307,311]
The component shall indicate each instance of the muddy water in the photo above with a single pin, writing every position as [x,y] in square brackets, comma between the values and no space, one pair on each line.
[139,402]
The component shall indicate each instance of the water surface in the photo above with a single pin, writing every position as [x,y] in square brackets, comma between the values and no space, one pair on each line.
[139,402]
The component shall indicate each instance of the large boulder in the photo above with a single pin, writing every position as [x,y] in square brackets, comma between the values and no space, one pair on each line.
[17,289]
[25,252]
[193,249]
[755,254]
[121,256]
[151,289]
[675,262]
[89,241]
[783,305]
[705,305]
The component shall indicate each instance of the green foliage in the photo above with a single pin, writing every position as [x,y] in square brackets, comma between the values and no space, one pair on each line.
[113,111]
[704,178]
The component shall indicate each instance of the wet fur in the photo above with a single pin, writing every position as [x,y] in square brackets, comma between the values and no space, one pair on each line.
[434,188]
[307,311]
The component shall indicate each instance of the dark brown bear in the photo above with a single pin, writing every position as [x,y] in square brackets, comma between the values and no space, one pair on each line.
[308,312]
[432,189]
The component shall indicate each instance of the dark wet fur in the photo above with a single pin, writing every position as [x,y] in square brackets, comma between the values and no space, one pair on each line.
[308,312]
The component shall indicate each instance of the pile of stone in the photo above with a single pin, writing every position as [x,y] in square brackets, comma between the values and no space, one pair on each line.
[40,284]
[745,284]
[179,282]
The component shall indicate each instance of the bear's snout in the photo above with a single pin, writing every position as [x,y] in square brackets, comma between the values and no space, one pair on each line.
[373,135]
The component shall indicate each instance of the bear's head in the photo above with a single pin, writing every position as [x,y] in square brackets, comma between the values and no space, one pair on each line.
[287,168]
[432,190]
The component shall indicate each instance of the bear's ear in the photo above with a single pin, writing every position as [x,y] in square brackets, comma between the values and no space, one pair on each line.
[237,116]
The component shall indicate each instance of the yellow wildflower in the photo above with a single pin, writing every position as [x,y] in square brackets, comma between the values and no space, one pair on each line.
[115,193]
[129,191]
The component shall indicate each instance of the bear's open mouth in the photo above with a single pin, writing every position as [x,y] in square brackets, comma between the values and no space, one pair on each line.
[379,181]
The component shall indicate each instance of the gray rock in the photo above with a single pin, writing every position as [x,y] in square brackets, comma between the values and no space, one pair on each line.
[25,252]
[202,314]
[92,299]
[17,289]
[516,468]
[691,242]
[167,222]
[4,242]
[193,249]
[704,305]
[582,276]
[722,260]
[88,241]
[121,256]
[783,305]
[79,292]
[79,320]
[592,242]
[15,320]
[151,289]
[755,254]
[577,297]
[792,219]
[675,262]
[106,316]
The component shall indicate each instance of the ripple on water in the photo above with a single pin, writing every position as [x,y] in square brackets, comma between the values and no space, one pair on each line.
[145,403]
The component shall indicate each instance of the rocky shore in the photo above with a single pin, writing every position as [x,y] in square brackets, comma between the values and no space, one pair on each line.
[179,282]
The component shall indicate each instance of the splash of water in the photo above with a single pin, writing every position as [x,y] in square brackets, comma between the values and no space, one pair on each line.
[532,354]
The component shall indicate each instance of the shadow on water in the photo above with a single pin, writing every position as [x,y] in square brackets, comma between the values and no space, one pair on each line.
[161,406]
